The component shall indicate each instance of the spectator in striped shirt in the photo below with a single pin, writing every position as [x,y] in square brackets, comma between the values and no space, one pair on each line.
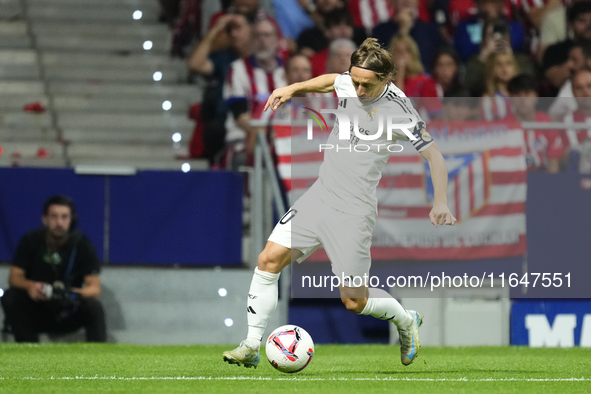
[500,68]
[209,133]
[249,83]
[544,148]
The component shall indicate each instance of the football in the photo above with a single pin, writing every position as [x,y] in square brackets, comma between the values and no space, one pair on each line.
[289,349]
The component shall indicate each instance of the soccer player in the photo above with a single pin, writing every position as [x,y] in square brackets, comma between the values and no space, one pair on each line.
[339,210]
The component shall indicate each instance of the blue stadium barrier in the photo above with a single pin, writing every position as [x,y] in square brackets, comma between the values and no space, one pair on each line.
[156,217]
[23,192]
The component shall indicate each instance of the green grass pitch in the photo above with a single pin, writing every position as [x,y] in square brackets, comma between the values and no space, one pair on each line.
[106,368]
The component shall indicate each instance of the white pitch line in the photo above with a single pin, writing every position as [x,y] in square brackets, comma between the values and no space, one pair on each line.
[303,379]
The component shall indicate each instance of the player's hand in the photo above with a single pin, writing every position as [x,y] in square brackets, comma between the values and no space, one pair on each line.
[278,97]
[440,214]
[35,290]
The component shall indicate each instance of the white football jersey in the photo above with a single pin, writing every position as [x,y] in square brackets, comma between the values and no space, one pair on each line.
[351,170]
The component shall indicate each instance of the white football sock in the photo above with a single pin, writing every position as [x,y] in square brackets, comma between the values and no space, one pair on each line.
[262,301]
[382,305]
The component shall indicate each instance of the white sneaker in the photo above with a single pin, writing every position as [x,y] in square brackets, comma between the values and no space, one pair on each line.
[243,355]
[409,339]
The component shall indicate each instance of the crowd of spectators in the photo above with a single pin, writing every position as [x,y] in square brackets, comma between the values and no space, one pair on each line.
[445,49]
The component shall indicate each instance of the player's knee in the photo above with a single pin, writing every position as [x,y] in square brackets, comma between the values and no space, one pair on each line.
[270,261]
[355,305]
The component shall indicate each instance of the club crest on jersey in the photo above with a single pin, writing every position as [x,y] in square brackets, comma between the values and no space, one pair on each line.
[425,136]
[372,114]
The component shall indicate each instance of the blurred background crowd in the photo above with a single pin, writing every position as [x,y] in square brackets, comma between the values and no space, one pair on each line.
[444,50]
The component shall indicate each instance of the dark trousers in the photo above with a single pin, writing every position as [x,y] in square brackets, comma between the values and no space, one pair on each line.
[27,318]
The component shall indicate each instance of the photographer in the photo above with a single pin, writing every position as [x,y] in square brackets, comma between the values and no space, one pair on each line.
[54,281]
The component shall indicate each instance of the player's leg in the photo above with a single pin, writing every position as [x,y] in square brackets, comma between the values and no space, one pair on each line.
[262,302]
[347,241]
[380,304]
[264,289]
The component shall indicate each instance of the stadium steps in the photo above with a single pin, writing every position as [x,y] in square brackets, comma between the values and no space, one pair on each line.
[97,121]
[110,74]
[140,163]
[129,136]
[19,88]
[115,105]
[16,102]
[85,63]
[88,12]
[22,120]
[110,153]
[44,153]
[95,44]
[128,91]
[28,134]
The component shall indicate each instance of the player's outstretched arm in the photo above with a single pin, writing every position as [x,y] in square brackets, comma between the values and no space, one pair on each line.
[440,213]
[320,84]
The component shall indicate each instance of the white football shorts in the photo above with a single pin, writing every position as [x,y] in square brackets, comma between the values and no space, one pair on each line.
[346,238]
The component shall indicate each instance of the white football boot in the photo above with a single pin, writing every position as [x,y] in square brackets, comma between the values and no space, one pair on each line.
[243,355]
[409,339]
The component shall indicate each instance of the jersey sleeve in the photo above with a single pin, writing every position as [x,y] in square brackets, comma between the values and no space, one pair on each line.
[423,138]
[341,82]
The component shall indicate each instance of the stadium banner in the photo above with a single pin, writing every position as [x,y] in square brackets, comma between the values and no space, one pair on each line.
[551,323]
[486,190]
